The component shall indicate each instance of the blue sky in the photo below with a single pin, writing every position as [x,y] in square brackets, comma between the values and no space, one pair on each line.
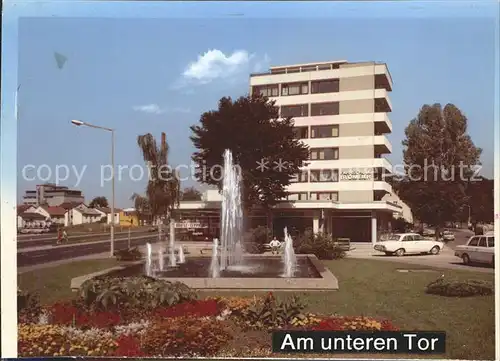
[154,67]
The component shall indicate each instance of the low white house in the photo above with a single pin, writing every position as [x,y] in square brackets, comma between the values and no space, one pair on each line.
[106,212]
[81,214]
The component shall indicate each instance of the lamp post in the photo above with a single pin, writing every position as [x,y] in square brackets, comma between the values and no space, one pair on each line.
[112,131]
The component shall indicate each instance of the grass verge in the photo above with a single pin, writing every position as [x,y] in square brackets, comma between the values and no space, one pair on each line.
[53,284]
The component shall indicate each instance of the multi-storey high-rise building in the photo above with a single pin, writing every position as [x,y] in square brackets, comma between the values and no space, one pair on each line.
[340,111]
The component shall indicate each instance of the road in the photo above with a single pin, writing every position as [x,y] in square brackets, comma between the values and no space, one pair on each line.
[461,237]
[47,240]
[57,253]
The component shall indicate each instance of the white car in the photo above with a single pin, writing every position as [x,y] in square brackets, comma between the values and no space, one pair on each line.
[400,244]
[448,236]
[479,249]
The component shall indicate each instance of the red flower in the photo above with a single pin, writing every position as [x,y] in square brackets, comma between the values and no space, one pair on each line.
[98,319]
[62,313]
[128,346]
[201,308]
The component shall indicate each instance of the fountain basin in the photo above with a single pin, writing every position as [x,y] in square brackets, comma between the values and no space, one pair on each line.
[259,273]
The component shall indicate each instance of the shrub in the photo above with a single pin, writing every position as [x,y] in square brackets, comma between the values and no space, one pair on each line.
[319,244]
[202,308]
[255,238]
[254,248]
[272,313]
[455,288]
[135,293]
[184,336]
[129,254]
[28,306]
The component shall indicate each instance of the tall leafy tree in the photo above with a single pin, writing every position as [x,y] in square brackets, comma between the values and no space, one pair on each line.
[163,189]
[264,146]
[439,158]
[191,194]
[99,202]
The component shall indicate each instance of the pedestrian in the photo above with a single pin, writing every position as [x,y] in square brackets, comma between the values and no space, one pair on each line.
[275,245]
[65,236]
[59,236]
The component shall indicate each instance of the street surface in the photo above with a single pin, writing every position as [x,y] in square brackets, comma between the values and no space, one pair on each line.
[46,254]
[46,240]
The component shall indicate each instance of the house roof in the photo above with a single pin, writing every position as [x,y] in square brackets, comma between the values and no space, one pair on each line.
[22,208]
[32,216]
[88,211]
[107,210]
[55,211]
[70,205]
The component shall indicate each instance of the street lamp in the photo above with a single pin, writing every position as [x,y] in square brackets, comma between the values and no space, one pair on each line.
[79,123]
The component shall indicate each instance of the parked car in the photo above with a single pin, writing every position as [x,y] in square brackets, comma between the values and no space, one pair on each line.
[400,244]
[478,249]
[448,236]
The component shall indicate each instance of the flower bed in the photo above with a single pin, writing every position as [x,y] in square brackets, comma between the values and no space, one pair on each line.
[175,324]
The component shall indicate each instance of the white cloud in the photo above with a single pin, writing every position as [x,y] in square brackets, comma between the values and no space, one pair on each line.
[156,109]
[150,108]
[214,65]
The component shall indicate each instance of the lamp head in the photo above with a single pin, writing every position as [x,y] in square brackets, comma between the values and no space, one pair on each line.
[77,122]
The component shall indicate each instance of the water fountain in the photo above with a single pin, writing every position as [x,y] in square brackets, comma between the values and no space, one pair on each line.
[231,230]
[172,260]
[161,259]
[289,258]
[149,258]
[214,265]
[182,257]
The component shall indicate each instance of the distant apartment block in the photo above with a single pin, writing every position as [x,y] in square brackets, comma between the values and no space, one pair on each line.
[52,195]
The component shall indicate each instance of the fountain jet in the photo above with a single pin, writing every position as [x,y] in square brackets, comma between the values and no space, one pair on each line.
[182,257]
[149,256]
[289,258]
[214,265]
[161,259]
[231,230]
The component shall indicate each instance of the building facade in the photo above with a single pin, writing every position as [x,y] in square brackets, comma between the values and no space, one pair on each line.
[340,111]
[52,195]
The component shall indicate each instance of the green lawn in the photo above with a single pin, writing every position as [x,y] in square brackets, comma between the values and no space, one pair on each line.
[374,288]
[367,287]
[53,284]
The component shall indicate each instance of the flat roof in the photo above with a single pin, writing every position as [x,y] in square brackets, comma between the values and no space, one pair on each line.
[307,64]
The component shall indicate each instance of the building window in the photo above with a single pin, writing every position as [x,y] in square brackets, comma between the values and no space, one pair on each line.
[325,86]
[325,131]
[324,153]
[301,132]
[294,89]
[266,90]
[294,111]
[331,108]
[324,175]
[297,196]
[325,196]
[302,177]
